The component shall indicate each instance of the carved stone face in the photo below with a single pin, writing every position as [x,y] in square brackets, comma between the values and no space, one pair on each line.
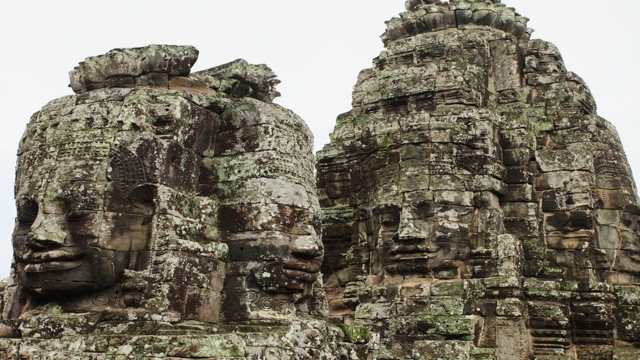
[418,240]
[618,241]
[282,240]
[70,236]
[269,214]
[409,228]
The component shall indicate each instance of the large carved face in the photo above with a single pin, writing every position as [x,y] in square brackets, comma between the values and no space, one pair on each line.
[416,236]
[412,229]
[77,230]
[279,243]
[262,174]
[420,237]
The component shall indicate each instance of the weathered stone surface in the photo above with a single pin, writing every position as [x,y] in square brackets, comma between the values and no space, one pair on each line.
[164,214]
[474,204]
[241,79]
[152,65]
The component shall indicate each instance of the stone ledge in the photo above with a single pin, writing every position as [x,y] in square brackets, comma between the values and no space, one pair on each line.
[430,16]
[149,65]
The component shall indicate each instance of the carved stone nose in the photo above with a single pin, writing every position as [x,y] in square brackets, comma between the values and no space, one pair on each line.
[407,230]
[48,231]
[307,247]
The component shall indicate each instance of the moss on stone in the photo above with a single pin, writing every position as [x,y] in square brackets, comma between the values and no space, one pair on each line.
[356,334]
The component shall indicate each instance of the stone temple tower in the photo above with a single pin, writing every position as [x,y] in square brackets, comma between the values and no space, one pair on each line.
[475,205]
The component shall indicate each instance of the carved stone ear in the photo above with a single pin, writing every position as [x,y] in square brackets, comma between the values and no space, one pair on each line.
[127,171]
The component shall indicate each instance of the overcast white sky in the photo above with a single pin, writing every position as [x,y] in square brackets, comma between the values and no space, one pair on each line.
[316,47]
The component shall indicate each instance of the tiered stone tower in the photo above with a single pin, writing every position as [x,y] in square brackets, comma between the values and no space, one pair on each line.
[475,205]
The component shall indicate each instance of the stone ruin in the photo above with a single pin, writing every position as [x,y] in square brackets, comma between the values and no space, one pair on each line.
[475,206]
[472,205]
[163,213]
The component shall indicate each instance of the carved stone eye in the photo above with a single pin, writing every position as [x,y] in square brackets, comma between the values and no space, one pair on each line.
[76,215]
[389,216]
[423,209]
[27,211]
[389,220]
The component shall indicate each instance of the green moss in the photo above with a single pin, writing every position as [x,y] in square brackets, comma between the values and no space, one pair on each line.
[194,204]
[220,172]
[372,292]
[356,334]
[358,120]
[386,141]
[539,127]
[448,288]
[553,272]
[459,326]
[54,309]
